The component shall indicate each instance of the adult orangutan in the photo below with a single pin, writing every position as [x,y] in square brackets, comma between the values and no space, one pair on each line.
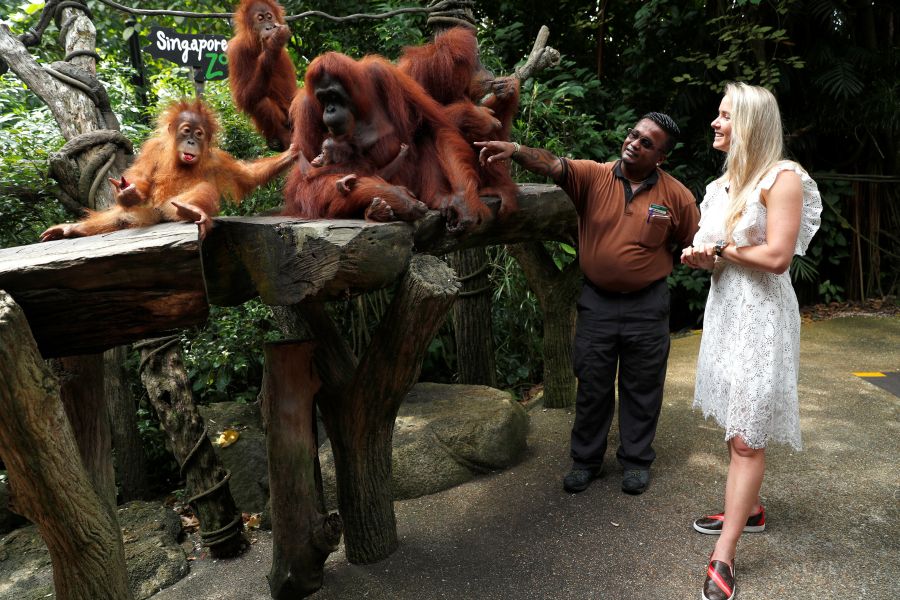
[179,175]
[480,105]
[260,72]
[378,108]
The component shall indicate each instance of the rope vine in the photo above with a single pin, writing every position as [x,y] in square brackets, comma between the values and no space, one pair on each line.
[436,7]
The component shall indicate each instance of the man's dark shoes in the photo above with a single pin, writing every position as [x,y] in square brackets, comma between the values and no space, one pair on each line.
[719,584]
[635,481]
[578,480]
[712,524]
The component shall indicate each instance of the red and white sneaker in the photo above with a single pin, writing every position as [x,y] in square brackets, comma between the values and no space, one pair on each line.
[719,584]
[712,524]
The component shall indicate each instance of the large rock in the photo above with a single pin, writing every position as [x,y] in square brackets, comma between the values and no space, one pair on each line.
[152,555]
[445,435]
[245,458]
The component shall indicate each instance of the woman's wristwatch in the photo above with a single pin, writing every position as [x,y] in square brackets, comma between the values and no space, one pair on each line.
[719,247]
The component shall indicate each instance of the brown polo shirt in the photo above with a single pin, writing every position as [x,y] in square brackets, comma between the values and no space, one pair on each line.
[623,245]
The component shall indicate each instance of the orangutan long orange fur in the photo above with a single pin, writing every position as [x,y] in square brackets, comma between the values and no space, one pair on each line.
[179,175]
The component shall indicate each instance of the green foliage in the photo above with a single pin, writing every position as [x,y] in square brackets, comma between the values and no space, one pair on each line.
[553,115]
[747,50]
[27,136]
[688,288]
[830,292]
[517,323]
[829,251]
[224,358]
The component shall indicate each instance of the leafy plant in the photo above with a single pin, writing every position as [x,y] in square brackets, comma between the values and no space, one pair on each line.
[224,358]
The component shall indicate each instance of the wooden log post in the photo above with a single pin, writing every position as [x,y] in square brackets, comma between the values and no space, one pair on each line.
[556,291]
[81,392]
[37,445]
[121,405]
[472,318]
[166,381]
[359,409]
[302,534]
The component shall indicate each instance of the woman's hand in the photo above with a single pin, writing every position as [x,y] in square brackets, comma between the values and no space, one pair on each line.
[702,256]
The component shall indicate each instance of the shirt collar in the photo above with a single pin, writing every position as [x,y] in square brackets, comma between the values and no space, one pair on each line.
[649,182]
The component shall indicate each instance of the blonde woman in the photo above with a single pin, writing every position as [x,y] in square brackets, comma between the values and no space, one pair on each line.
[754,218]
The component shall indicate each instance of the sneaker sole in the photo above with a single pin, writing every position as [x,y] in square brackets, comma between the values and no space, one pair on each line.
[747,529]
[573,490]
[733,593]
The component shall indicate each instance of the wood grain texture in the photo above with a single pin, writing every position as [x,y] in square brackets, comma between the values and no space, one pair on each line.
[86,295]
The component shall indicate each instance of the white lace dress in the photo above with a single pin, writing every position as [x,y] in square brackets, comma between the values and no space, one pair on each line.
[750,349]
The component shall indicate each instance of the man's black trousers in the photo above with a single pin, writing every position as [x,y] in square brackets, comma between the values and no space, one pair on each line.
[628,332]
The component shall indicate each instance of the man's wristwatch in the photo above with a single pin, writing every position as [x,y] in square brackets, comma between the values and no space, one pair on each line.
[720,245]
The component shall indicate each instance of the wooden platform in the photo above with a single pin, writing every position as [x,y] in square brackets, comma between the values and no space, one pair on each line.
[86,295]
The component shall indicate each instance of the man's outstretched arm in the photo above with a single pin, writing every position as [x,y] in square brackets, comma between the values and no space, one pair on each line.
[534,159]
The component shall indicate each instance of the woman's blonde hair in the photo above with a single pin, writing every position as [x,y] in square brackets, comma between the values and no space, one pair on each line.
[756,144]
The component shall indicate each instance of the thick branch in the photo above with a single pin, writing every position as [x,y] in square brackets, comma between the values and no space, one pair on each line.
[90,294]
[541,56]
[70,109]
[362,422]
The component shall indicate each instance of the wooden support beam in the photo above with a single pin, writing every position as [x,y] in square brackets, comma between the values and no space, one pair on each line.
[86,295]
[49,485]
[303,535]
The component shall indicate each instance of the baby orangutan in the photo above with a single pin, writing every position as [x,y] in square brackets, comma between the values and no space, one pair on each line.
[342,184]
[179,176]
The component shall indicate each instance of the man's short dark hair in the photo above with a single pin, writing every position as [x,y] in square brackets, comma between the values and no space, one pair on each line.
[665,123]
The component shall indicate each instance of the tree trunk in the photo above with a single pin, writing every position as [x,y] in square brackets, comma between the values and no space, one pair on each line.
[81,393]
[303,536]
[556,292]
[164,377]
[472,318]
[73,110]
[359,403]
[131,462]
[37,445]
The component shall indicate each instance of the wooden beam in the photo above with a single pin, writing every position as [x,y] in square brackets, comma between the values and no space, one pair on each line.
[545,213]
[284,261]
[86,295]
[83,296]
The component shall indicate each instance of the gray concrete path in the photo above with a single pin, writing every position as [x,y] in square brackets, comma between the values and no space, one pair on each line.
[833,510]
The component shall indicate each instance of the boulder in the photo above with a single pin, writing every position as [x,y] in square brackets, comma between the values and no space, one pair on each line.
[246,458]
[446,434]
[153,556]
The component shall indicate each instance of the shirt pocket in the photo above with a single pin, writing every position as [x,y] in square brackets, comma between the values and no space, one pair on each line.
[655,231]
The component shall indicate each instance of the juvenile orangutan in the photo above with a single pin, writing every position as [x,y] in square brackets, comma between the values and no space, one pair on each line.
[179,175]
[260,72]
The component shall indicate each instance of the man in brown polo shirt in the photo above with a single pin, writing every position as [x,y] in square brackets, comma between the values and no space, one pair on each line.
[631,216]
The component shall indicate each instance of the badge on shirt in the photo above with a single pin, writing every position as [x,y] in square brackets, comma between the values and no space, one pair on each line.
[657,210]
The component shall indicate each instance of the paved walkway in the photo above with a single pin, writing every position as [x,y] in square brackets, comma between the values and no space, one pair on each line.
[833,525]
